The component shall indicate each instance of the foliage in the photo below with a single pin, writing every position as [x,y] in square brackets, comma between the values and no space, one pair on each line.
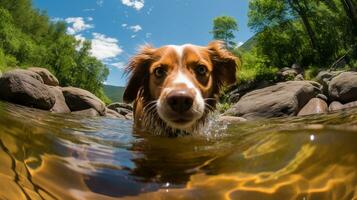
[224,28]
[28,38]
[304,32]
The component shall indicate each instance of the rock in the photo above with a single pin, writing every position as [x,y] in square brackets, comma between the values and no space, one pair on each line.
[129,116]
[22,88]
[116,105]
[324,78]
[314,106]
[288,74]
[60,104]
[335,105]
[78,99]
[231,119]
[322,96]
[29,73]
[299,77]
[282,99]
[113,114]
[123,111]
[350,105]
[47,77]
[343,88]
[239,90]
[91,112]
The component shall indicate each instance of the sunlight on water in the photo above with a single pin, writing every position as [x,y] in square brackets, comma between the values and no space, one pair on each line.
[51,156]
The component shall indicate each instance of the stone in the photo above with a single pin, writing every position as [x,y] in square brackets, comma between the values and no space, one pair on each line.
[113,114]
[231,119]
[22,88]
[282,99]
[314,106]
[335,105]
[343,88]
[123,111]
[299,77]
[91,112]
[29,73]
[78,99]
[60,104]
[116,105]
[350,105]
[324,78]
[322,96]
[47,77]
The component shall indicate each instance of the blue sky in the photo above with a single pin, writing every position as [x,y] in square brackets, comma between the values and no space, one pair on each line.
[118,27]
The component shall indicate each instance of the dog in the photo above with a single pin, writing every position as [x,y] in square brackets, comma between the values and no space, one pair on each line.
[174,88]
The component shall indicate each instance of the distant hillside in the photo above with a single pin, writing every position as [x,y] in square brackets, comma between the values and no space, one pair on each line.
[249,44]
[114,93]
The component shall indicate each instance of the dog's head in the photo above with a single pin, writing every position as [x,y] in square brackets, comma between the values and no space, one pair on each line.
[180,83]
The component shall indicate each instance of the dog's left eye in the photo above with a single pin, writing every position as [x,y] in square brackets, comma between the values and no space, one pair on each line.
[160,72]
[201,70]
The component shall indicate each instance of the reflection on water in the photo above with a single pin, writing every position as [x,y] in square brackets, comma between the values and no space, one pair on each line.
[49,156]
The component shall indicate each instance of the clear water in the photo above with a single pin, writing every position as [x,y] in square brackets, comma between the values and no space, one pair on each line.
[51,156]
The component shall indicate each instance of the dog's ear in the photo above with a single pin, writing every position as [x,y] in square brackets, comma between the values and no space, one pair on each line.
[138,68]
[224,63]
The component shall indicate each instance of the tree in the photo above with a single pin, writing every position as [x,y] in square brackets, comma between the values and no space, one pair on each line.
[224,28]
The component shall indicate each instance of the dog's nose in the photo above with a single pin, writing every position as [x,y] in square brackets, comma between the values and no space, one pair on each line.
[180,101]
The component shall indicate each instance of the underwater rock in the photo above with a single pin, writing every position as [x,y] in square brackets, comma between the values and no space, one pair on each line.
[25,88]
[314,106]
[282,99]
[78,99]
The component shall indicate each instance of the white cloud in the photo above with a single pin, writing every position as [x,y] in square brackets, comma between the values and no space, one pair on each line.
[118,65]
[124,25]
[77,25]
[136,4]
[133,36]
[104,47]
[100,3]
[240,43]
[135,28]
[90,18]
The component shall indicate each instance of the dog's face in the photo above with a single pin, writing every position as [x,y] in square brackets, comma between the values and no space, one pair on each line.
[180,82]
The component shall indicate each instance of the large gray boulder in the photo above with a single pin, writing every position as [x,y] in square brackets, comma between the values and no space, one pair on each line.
[22,87]
[78,99]
[29,73]
[60,105]
[47,77]
[282,99]
[343,88]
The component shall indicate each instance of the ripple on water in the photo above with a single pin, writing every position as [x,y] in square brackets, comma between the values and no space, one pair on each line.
[53,156]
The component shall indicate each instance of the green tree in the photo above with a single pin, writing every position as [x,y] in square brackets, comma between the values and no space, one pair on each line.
[28,38]
[224,28]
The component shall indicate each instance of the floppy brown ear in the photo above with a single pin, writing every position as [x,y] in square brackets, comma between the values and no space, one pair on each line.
[138,68]
[224,63]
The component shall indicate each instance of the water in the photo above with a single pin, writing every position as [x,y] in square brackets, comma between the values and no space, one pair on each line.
[52,156]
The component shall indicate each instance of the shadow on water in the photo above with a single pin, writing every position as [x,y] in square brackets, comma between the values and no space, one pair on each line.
[52,156]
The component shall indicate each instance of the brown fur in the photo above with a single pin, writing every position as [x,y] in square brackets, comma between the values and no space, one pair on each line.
[144,88]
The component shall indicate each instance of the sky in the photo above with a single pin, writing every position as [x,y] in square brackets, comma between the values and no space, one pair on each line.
[117,28]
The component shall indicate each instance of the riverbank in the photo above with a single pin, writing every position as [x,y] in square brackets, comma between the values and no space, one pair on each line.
[291,96]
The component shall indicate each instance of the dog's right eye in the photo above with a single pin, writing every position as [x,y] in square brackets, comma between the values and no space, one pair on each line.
[160,72]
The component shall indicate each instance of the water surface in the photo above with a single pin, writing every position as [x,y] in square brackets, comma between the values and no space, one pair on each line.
[53,156]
